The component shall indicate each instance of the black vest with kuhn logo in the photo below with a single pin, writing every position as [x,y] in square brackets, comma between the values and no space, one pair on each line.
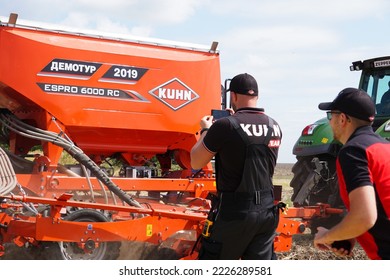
[246,146]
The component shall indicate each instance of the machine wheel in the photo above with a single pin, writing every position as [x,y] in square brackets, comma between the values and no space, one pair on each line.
[71,250]
[300,170]
[324,189]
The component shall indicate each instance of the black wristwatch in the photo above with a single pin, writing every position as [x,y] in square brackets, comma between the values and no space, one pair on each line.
[203,130]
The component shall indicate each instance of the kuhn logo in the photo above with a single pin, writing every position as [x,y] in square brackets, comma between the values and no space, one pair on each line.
[174,93]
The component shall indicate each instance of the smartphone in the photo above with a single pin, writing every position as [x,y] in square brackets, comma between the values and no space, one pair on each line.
[218,114]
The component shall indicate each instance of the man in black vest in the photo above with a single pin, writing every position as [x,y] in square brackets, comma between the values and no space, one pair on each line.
[245,145]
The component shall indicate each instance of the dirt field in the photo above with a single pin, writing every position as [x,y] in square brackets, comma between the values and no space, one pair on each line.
[302,248]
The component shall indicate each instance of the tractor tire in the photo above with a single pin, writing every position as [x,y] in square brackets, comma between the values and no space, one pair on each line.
[71,250]
[325,189]
[301,169]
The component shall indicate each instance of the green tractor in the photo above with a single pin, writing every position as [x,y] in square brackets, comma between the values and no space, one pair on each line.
[315,179]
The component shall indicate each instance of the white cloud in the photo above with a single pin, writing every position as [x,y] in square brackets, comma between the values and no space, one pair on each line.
[170,11]
[281,38]
[151,11]
[103,23]
[301,10]
[134,16]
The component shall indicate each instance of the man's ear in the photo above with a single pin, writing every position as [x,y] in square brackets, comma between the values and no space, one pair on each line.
[345,118]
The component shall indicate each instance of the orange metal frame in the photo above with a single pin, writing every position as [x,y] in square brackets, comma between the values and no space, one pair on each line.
[154,224]
[49,184]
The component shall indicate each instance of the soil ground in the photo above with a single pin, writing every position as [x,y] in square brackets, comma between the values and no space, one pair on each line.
[302,247]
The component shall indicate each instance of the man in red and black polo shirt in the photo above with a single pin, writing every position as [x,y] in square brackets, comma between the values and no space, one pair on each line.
[363,169]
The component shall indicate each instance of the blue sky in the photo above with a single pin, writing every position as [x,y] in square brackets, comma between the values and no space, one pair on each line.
[298,50]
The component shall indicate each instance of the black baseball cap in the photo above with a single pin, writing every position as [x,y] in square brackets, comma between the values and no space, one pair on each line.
[244,84]
[352,102]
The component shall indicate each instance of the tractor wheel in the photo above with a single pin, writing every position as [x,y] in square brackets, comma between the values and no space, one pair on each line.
[301,169]
[72,251]
[325,189]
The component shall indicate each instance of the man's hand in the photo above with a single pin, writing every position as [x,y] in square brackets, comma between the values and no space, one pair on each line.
[341,248]
[206,121]
[200,156]
[320,240]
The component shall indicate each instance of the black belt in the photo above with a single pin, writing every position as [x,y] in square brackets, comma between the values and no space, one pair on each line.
[244,197]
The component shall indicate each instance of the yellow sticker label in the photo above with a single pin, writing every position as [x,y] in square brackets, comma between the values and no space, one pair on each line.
[149,230]
[324,140]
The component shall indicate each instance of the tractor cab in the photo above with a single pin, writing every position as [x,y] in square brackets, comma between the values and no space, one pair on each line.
[375,80]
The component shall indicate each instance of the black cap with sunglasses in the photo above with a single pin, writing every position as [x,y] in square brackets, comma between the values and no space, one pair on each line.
[352,102]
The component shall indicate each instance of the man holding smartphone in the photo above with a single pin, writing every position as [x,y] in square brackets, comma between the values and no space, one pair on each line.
[245,145]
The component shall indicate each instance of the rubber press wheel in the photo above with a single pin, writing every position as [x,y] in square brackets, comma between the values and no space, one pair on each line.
[72,251]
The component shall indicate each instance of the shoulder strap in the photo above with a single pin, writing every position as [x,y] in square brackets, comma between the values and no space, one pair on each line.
[238,128]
